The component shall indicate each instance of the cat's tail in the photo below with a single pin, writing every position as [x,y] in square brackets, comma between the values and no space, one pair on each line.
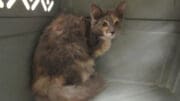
[82,92]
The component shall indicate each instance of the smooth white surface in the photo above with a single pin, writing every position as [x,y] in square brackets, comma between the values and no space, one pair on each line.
[117,91]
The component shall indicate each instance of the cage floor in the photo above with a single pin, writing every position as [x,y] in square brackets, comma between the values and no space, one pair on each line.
[116,91]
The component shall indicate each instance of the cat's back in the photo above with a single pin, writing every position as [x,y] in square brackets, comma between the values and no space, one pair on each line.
[66,31]
[62,43]
[66,24]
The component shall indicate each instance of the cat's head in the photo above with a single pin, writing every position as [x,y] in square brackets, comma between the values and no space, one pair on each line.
[106,23]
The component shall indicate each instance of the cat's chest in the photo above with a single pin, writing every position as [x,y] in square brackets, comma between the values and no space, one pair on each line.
[104,46]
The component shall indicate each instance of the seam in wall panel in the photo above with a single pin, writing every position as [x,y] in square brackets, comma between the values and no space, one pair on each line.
[171,79]
[177,83]
[26,16]
[20,34]
[167,66]
[148,19]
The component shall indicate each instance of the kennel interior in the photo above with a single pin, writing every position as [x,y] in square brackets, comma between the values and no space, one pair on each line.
[142,65]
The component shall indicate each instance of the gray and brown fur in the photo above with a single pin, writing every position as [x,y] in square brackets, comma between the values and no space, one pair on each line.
[104,27]
[63,65]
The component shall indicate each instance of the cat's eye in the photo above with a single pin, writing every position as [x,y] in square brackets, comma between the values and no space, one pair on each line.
[116,23]
[105,24]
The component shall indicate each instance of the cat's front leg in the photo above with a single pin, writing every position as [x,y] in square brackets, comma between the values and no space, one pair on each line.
[102,46]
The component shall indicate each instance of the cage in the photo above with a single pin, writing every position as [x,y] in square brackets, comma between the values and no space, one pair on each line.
[142,65]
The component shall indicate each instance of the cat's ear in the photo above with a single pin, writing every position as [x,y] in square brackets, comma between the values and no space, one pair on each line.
[95,12]
[120,8]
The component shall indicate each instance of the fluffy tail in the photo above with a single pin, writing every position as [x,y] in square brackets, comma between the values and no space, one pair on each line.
[82,92]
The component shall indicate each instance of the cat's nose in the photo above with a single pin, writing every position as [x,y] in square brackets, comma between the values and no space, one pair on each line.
[112,32]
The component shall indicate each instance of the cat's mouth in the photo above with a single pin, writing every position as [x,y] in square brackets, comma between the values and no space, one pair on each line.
[110,35]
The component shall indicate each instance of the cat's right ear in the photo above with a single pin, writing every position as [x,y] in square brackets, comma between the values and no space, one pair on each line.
[95,12]
[121,8]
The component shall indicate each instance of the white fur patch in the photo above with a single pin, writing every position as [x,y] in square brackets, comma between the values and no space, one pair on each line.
[104,47]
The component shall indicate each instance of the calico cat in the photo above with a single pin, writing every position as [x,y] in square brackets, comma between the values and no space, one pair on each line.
[103,28]
[63,64]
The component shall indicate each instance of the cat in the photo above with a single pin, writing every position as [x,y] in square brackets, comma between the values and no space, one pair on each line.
[64,59]
[104,27]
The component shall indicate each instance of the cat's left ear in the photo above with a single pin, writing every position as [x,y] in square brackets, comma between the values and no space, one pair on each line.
[95,12]
[120,9]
